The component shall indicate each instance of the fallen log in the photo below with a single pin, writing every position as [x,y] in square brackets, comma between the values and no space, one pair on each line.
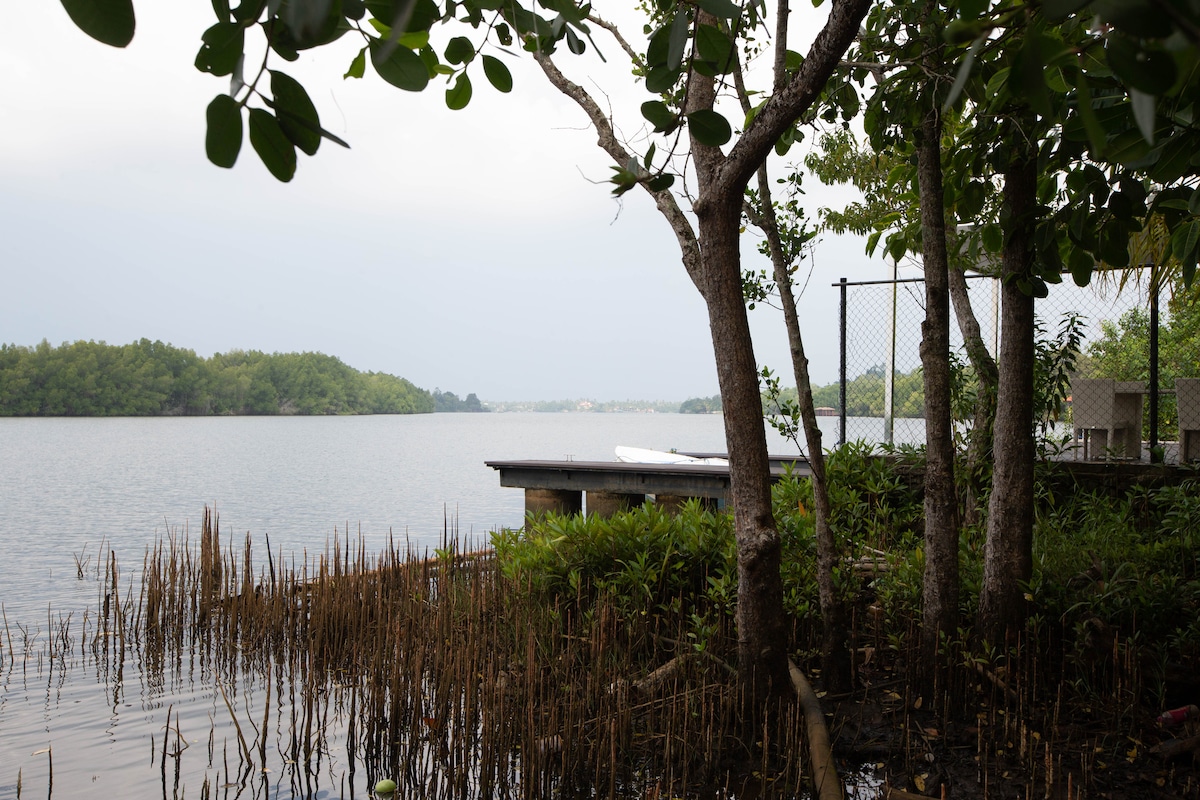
[890,793]
[1175,748]
[820,752]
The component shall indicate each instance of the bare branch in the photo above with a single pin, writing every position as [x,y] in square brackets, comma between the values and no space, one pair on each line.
[616,34]
[606,139]
[781,38]
[788,105]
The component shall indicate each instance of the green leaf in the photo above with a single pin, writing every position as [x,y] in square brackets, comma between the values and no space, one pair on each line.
[1081,265]
[1185,241]
[964,72]
[678,39]
[405,15]
[623,179]
[660,115]
[1143,106]
[459,95]
[721,9]
[401,68]
[1174,159]
[661,183]
[1097,137]
[971,201]
[661,80]
[297,115]
[309,19]
[1114,244]
[873,242]
[896,247]
[108,21]
[648,159]
[709,128]
[223,137]
[248,11]
[221,9]
[1147,69]
[714,46]
[221,49]
[1025,80]
[277,153]
[997,85]
[1061,9]
[459,50]
[961,31]
[358,67]
[574,43]
[992,237]
[1194,203]
[1129,147]
[497,74]
[1142,19]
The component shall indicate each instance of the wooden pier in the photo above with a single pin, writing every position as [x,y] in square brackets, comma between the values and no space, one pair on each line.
[610,486]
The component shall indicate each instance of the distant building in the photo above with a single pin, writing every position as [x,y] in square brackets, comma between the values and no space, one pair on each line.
[826,411]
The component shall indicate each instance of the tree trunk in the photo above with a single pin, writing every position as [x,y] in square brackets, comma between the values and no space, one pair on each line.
[835,655]
[1008,553]
[762,640]
[762,630]
[940,593]
[979,441]
[713,260]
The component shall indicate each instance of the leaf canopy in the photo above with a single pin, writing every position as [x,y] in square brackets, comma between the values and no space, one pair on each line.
[111,22]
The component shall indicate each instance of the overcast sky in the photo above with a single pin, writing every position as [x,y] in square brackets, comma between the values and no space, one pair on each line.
[473,251]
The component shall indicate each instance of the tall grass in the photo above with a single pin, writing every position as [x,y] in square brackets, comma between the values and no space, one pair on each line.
[588,657]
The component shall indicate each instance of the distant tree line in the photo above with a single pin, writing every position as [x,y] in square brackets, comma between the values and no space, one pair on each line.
[448,401]
[84,379]
[1123,349]
[586,406]
[865,394]
[701,405]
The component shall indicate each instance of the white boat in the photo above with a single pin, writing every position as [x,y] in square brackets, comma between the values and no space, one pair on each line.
[640,455]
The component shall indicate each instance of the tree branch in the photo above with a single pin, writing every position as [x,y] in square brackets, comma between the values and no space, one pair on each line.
[616,34]
[606,139]
[785,107]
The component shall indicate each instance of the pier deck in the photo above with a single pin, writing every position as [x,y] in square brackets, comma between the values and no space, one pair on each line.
[609,486]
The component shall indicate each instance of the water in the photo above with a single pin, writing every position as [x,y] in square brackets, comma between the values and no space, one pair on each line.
[73,489]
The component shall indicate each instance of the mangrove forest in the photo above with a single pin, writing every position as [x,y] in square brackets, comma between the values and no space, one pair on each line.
[94,379]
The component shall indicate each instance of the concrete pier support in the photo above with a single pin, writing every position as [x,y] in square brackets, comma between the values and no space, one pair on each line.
[553,501]
[605,504]
[672,503]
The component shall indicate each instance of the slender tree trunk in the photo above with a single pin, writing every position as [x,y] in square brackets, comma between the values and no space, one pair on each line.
[1008,553]
[762,631]
[940,591]
[835,667]
[979,441]
[762,641]
[712,258]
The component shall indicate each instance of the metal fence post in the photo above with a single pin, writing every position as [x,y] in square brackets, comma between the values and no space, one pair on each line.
[1156,457]
[842,367]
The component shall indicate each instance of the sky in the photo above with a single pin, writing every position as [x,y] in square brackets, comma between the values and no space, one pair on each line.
[471,251]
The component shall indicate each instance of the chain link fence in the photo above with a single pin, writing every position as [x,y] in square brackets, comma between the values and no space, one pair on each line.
[1118,398]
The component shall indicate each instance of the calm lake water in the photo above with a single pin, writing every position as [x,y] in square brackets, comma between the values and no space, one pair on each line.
[71,490]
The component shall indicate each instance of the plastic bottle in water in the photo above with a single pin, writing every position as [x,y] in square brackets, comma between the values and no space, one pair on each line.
[1178,715]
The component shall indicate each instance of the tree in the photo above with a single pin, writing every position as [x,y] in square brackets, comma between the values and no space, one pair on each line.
[712,258]
[690,50]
